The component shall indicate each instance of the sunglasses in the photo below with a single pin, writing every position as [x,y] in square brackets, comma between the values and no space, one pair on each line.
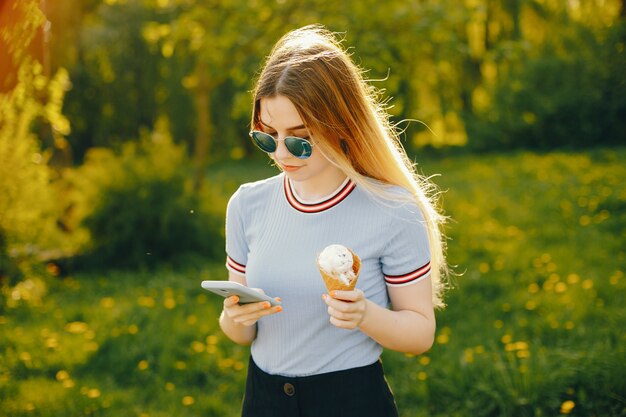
[299,147]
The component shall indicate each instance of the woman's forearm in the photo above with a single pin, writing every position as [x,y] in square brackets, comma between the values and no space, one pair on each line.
[404,331]
[238,333]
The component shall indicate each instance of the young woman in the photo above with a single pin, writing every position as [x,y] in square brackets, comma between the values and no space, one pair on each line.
[345,180]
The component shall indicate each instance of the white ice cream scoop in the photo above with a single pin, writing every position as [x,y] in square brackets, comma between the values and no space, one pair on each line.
[336,260]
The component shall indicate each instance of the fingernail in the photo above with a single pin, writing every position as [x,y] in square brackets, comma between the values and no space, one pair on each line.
[278,308]
[266,304]
[324,297]
[278,299]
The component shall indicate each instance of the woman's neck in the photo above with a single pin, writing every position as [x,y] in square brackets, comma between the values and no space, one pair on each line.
[319,186]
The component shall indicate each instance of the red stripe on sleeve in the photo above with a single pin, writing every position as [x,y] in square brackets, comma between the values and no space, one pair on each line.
[236,266]
[416,275]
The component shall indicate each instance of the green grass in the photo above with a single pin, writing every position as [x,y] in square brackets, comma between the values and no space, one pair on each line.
[534,324]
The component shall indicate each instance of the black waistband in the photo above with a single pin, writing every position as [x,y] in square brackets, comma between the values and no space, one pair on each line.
[352,372]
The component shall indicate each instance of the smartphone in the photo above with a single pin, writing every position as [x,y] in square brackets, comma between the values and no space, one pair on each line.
[229,288]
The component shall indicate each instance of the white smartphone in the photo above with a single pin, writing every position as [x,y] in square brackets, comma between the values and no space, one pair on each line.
[246,295]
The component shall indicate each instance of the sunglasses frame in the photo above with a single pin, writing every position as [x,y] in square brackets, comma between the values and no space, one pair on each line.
[289,143]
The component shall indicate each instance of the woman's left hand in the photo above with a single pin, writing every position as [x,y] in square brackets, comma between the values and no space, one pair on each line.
[347,309]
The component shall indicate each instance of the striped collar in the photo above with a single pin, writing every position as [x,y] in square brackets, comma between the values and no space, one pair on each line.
[323,204]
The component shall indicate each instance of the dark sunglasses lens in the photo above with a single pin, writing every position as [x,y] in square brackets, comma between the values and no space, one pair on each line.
[264,141]
[299,147]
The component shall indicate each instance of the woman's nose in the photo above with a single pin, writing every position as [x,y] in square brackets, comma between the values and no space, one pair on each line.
[281,149]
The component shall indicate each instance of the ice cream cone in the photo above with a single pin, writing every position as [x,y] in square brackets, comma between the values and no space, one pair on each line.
[336,284]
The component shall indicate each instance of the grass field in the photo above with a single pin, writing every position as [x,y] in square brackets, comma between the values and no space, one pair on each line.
[535,323]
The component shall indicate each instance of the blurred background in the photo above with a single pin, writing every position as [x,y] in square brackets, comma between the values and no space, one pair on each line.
[123,132]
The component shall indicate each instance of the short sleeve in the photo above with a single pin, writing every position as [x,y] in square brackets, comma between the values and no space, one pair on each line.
[236,244]
[406,257]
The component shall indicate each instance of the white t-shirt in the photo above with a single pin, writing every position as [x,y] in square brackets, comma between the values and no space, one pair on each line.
[273,237]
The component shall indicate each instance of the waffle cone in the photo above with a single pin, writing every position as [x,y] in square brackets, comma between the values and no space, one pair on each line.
[335,284]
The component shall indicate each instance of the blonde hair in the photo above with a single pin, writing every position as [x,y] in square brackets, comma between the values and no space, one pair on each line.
[310,68]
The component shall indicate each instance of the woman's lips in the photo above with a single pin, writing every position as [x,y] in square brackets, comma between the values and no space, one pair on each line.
[290,168]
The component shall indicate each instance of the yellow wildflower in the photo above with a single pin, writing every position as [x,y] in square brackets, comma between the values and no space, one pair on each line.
[567,407]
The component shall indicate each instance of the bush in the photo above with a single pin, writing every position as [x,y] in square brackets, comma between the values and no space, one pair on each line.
[139,207]
[30,102]
[570,94]
[29,204]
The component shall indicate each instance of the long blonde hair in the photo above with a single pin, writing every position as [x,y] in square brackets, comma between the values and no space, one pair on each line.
[310,68]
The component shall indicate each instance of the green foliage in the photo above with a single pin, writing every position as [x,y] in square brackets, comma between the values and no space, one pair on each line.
[569,94]
[487,74]
[29,206]
[531,323]
[118,86]
[534,326]
[123,343]
[139,208]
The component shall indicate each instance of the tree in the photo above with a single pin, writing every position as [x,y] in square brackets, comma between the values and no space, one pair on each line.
[29,204]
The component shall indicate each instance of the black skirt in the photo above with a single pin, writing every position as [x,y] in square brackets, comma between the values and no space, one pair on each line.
[357,392]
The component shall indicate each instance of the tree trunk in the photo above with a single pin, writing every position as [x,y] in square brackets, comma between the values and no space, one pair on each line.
[61,151]
[203,128]
[488,17]
[514,8]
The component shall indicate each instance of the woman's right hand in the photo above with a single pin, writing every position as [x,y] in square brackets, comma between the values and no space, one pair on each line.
[248,314]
